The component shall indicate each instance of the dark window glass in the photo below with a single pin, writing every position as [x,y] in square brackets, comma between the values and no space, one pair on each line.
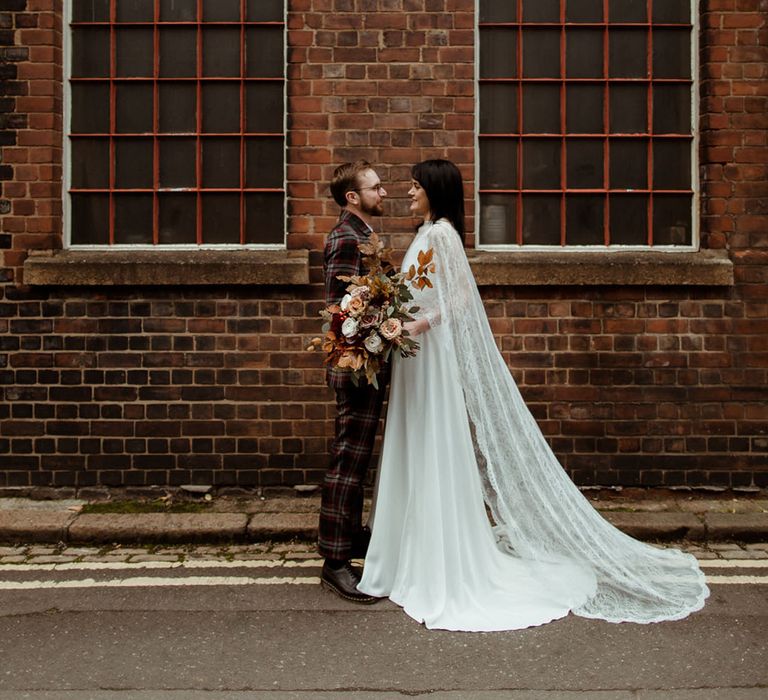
[135,53]
[90,108]
[264,108]
[671,108]
[90,163]
[178,108]
[264,215]
[671,164]
[584,109]
[90,52]
[178,52]
[541,10]
[90,219]
[177,128]
[672,219]
[541,53]
[593,138]
[629,219]
[133,219]
[90,10]
[628,164]
[221,10]
[498,108]
[584,53]
[672,11]
[221,163]
[584,11]
[221,52]
[264,162]
[584,163]
[628,51]
[629,108]
[672,53]
[221,107]
[584,216]
[133,163]
[541,108]
[135,10]
[134,108]
[178,10]
[541,219]
[265,10]
[178,214]
[498,163]
[628,10]
[498,53]
[177,162]
[264,52]
[541,164]
[221,218]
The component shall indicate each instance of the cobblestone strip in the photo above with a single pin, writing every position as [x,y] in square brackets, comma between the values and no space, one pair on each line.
[276,551]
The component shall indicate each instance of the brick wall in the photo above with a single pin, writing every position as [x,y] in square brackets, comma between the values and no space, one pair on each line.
[169,385]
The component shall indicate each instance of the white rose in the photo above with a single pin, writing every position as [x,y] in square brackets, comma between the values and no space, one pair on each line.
[345,301]
[349,327]
[373,344]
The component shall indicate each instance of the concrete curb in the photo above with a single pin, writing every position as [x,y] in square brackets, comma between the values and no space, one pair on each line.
[36,525]
[91,528]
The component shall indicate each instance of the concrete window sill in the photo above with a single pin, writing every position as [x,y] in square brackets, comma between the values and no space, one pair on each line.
[702,268]
[167,267]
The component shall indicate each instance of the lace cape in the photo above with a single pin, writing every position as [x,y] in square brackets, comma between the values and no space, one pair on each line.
[537,510]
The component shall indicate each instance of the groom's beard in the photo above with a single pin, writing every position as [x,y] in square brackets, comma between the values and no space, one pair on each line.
[372,209]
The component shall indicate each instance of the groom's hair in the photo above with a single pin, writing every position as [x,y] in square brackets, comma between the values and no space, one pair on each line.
[345,178]
[444,187]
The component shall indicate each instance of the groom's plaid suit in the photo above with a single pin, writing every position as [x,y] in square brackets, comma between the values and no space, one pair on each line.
[358,408]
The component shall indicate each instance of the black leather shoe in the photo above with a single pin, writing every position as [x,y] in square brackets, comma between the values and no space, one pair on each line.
[343,580]
[360,543]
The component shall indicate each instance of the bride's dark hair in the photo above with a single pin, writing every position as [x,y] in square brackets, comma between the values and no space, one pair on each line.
[444,187]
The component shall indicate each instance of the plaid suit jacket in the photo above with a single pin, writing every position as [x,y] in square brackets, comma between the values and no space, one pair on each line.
[341,257]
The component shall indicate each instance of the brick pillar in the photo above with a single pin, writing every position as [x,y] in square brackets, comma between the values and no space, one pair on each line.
[30,131]
[391,81]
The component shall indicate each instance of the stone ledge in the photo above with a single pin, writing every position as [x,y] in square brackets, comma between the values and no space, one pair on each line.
[166,267]
[508,268]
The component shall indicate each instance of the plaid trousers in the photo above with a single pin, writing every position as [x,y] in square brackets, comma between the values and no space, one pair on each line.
[341,507]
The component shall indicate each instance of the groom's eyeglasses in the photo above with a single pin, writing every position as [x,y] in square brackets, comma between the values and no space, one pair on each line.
[378,188]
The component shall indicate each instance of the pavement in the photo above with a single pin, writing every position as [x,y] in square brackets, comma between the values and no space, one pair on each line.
[645,514]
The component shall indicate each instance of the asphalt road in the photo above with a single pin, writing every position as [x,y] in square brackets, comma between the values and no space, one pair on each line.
[203,627]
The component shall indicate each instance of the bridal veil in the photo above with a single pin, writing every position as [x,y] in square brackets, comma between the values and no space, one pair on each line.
[538,512]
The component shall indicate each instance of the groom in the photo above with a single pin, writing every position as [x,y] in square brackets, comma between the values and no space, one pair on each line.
[357,189]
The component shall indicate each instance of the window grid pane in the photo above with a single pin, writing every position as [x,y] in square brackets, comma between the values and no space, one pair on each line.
[572,129]
[177,80]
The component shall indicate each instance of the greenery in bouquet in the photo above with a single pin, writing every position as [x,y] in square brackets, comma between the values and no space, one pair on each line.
[366,326]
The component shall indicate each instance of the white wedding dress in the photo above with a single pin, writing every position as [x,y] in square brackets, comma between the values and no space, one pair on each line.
[459,443]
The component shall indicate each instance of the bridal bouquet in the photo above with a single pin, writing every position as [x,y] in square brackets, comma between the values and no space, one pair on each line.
[367,325]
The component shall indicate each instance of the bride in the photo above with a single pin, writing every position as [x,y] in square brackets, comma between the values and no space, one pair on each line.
[459,443]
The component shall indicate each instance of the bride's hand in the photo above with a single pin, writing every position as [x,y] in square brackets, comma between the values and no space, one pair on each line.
[417,327]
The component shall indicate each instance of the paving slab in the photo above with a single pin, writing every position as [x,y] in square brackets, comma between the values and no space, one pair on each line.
[659,526]
[33,525]
[282,526]
[158,527]
[746,527]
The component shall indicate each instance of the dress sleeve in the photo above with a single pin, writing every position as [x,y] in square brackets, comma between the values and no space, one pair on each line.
[450,289]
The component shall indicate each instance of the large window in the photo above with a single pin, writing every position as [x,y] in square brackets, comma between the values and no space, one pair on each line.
[585,123]
[176,122]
